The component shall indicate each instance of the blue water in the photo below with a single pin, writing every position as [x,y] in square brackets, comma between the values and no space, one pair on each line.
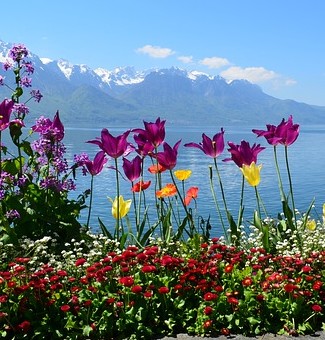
[306,159]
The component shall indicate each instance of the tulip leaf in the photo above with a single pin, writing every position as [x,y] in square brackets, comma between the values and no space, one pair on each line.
[234,230]
[104,229]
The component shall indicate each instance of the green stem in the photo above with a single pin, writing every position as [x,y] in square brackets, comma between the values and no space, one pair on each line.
[283,198]
[220,183]
[117,227]
[217,204]
[190,219]
[290,185]
[258,202]
[241,206]
[90,200]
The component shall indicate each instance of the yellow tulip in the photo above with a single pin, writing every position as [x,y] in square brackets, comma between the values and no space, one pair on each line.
[252,173]
[124,207]
[311,225]
[182,175]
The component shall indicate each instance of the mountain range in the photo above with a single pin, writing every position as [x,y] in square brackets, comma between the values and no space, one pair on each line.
[124,97]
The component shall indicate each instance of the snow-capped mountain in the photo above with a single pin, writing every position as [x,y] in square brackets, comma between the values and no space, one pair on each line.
[126,96]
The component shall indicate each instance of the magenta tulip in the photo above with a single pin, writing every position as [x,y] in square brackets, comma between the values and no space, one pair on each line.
[168,157]
[153,132]
[5,110]
[211,147]
[96,166]
[132,169]
[58,127]
[285,133]
[244,153]
[113,146]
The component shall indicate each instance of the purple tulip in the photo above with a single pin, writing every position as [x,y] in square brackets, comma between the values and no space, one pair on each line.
[96,166]
[244,153]
[113,146]
[168,157]
[211,147]
[285,133]
[144,146]
[132,169]
[5,110]
[58,127]
[153,132]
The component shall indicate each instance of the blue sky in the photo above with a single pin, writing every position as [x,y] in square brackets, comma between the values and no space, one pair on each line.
[278,44]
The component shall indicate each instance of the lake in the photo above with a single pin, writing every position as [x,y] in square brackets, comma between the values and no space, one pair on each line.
[306,159]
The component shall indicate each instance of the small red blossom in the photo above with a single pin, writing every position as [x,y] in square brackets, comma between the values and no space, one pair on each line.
[208,310]
[210,296]
[316,308]
[229,268]
[65,308]
[163,290]
[232,300]
[207,323]
[247,281]
[24,326]
[80,262]
[136,289]
[127,281]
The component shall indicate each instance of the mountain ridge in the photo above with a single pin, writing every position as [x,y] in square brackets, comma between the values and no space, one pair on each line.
[125,97]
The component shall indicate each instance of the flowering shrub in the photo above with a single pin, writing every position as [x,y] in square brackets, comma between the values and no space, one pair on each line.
[161,273]
[34,175]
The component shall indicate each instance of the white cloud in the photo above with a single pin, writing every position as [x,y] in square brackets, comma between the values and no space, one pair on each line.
[252,74]
[214,62]
[155,51]
[186,59]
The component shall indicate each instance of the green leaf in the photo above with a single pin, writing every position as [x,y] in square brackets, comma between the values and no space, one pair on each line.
[104,229]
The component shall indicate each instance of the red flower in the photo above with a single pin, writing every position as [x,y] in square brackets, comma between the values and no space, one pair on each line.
[141,185]
[210,296]
[289,287]
[136,289]
[232,300]
[191,194]
[163,290]
[156,168]
[225,331]
[208,310]
[147,294]
[148,269]
[65,308]
[24,326]
[316,308]
[127,281]
[247,281]
[229,268]
[207,324]
[80,262]
[317,285]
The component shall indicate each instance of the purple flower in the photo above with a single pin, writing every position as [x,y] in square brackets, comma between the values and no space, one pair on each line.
[6,108]
[18,52]
[21,109]
[132,169]
[244,153]
[211,147]
[285,133]
[168,157]
[96,166]
[26,82]
[58,127]
[145,147]
[1,80]
[29,67]
[153,132]
[113,146]
[36,94]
